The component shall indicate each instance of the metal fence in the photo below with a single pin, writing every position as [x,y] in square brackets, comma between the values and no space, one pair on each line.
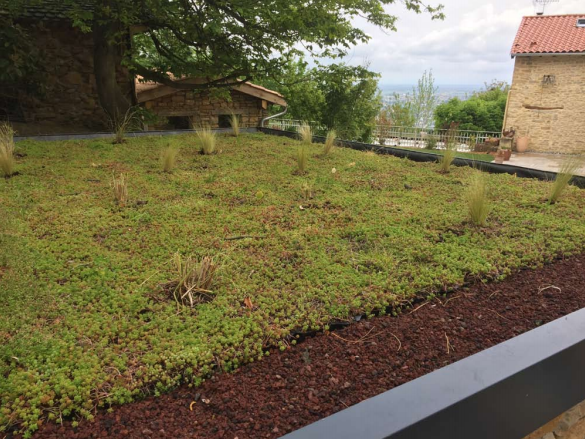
[411,137]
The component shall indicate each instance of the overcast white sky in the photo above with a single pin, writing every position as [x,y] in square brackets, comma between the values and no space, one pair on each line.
[471,46]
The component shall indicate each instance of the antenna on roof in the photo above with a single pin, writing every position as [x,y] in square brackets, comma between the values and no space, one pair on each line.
[539,5]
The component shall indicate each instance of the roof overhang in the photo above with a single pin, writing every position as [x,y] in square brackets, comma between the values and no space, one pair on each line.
[547,54]
[159,90]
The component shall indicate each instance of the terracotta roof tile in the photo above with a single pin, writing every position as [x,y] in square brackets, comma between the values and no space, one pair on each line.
[550,34]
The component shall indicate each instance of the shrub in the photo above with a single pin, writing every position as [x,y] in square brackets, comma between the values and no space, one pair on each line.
[207,140]
[168,158]
[563,178]
[306,134]
[120,190]
[477,199]
[121,124]
[7,160]
[302,159]
[195,279]
[329,142]
[431,141]
[235,124]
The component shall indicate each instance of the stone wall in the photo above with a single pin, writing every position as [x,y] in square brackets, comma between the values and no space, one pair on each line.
[550,112]
[69,101]
[205,109]
[569,425]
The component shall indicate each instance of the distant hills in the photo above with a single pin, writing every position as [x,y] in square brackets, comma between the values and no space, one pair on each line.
[446,92]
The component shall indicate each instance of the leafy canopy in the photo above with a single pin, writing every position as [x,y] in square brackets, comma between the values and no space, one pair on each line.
[483,111]
[224,41]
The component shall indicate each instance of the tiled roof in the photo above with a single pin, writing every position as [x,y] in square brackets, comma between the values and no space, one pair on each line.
[46,10]
[550,34]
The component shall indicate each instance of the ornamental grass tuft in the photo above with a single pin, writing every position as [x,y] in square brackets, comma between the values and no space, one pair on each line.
[329,142]
[168,158]
[120,187]
[207,140]
[302,159]
[477,199]
[306,133]
[564,176]
[194,279]
[7,160]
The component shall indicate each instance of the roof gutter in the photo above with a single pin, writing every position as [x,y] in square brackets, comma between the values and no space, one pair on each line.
[273,116]
[547,54]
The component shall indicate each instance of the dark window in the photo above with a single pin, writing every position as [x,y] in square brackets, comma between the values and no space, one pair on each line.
[179,122]
[223,120]
[581,22]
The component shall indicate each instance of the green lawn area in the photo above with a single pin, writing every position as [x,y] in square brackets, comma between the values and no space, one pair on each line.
[84,321]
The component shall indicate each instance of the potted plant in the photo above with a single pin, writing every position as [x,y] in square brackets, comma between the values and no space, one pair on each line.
[499,157]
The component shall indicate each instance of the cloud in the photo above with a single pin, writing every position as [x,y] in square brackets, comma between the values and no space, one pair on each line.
[471,46]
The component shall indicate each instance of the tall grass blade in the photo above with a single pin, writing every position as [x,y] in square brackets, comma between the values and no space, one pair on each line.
[7,159]
[567,171]
[329,142]
[206,140]
[477,199]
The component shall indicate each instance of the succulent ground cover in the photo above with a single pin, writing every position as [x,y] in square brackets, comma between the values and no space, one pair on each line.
[87,320]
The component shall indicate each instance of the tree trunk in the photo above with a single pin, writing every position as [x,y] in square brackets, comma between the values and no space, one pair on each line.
[105,60]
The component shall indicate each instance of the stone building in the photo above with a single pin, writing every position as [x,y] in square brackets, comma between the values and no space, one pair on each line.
[182,109]
[66,99]
[547,98]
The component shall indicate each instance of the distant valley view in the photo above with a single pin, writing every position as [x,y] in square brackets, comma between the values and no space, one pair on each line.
[444,93]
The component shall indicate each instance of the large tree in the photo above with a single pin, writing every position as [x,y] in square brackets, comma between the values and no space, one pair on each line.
[220,41]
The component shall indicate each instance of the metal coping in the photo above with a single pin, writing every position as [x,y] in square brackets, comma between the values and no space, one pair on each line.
[504,392]
[495,168]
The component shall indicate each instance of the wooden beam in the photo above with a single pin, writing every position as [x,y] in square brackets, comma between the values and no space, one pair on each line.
[164,90]
[261,94]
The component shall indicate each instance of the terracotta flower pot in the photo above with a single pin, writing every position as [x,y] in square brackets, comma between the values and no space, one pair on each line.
[522,144]
[507,154]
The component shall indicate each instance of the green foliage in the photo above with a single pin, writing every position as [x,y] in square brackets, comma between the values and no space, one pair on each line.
[477,199]
[567,171]
[397,113]
[103,331]
[7,160]
[483,111]
[207,140]
[337,96]
[424,100]
[431,141]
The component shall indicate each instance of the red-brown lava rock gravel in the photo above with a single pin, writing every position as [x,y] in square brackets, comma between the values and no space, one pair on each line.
[330,372]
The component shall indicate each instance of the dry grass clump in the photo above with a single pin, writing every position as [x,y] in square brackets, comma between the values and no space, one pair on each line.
[306,134]
[307,191]
[207,140]
[168,158]
[329,142]
[477,199]
[564,176]
[120,190]
[235,124]
[7,160]
[195,279]
[450,150]
[302,160]
[121,124]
